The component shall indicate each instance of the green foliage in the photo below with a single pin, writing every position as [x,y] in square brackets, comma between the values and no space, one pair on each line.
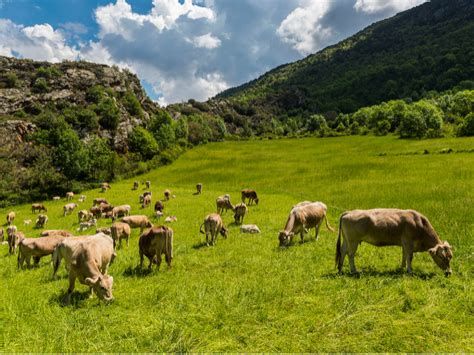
[142,141]
[48,72]
[467,127]
[70,155]
[41,85]
[95,94]
[383,127]
[108,113]
[132,105]
[165,136]
[11,80]
[100,158]
[413,125]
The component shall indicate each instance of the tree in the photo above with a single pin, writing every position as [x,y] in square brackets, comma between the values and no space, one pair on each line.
[412,124]
[132,105]
[70,155]
[101,159]
[467,127]
[109,113]
[141,141]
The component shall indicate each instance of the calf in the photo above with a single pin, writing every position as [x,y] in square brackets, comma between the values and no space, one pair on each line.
[249,228]
[155,242]
[56,198]
[167,195]
[249,194]
[87,259]
[104,186]
[38,207]
[213,225]
[68,208]
[240,210]
[84,215]
[10,217]
[198,189]
[146,201]
[223,204]
[69,195]
[138,221]
[41,221]
[119,231]
[388,226]
[86,225]
[36,248]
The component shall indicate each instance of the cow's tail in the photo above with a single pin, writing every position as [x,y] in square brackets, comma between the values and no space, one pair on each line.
[338,244]
[327,223]
[200,229]
[56,259]
[169,244]
[19,255]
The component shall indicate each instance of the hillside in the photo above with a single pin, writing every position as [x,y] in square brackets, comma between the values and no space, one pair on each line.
[426,48]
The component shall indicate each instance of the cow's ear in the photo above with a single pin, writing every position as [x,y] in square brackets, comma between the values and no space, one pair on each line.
[433,250]
[89,281]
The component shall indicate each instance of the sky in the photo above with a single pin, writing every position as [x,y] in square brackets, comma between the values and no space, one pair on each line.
[182,49]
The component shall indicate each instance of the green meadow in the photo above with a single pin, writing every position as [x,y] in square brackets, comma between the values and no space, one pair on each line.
[248,295]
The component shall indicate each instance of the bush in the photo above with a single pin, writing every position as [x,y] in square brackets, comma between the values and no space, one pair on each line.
[109,113]
[95,94]
[40,85]
[141,141]
[467,127]
[382,127]
[132,105]
[11,80]
[412,125]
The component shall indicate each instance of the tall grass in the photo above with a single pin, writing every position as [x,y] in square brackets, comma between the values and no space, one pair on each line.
[246,294]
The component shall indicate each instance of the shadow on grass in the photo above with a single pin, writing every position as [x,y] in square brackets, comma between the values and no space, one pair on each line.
[394,274]
[137,271]
[77,299]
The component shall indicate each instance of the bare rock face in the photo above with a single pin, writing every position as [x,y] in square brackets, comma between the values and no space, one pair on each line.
[14,132]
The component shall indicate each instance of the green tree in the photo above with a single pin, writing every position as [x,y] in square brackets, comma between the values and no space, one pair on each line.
[412,124]
[132,105]
[70,155]
[109,113]
[141,141]
[101,158]
[467,127]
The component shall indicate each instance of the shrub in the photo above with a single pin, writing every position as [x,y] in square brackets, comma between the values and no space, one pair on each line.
[109,113]
[11,80]
[95,94]
[143,142]
[40,85]
[467,127]
[382,127]
[132,105]
[412,125]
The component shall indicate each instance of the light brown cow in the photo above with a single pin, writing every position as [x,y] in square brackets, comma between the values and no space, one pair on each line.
[199,189]
[105,230]
[138,221]
[87,259]
[36,248]
[68,208]
[146,201]
[121,211]
[96,211]
[251,195]
[38,207]
[10,217]
[153,243]
[388,226]
[56,198]
[14,238]
[143,195]
[213,225]
[56,233]
[119,231]
[84,215]
[105,207]
[240,210]
[303,217]
[69,195]
[104,186]
[223,204]
[41,221]
[98,201]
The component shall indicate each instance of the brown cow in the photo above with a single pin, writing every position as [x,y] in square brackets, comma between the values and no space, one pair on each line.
[138,221]
[96,212]
[251,195]
[87,259]
[68,208]
[84,215]
[106,207]
[98,201]
[388,226]
[14,238]
[167,194]
[36,248]
[155,242]
[303,217]
[69,195]
[199,189]
[41,221]
[143,195]
[135,185]
[213,225]
[147,184]
[146,201]
[240,210]
[159,206]
[38,207]
[223,203]
[119,231]
[56,233]
[10,217]
[121,211]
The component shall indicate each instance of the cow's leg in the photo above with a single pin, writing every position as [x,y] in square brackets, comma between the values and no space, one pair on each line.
[72,281]
[351,251]
[404,258]
[21,259]
[158,260]
[141,259]
[151,262]
[407,246]
[168,259]
[343,256]
[316,231]
[28,262]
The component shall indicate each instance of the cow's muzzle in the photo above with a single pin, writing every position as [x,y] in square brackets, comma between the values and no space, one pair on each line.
[448,273]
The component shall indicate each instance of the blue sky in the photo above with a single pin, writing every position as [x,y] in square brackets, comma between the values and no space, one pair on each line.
[183,49]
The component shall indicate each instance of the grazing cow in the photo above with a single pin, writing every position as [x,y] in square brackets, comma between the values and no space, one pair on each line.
[213,225]
[249,228]
[155,242]
[143,195]
[41,221]
[84,215]
[223,204]
[86,225]
[96,212]
[158,214]
[69,195]
[14,238]
[98,201]
[167,194]
[199,188]
[170,219]
[303,217]
[105,230]
[119,231]
[36,248]
[138,221]
[2,235]
[38,207]
[87,259]
[240,210]
[251,195]
[121,211]
[388,226]
[56,198]
[27,222]
[104,186]
[159,206]
[105,207]
[135,185]
[147,184]
[10,217]
[56,233]
[82,198]
[68,208]
[146,201]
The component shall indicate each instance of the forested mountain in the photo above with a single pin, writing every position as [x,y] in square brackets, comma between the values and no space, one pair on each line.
[429,47]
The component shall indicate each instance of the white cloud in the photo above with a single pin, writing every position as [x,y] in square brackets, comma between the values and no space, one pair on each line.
[374,6]
[40,42]
[206,41]
[302,28]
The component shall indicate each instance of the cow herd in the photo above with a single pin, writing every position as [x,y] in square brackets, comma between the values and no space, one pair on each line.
[87,258]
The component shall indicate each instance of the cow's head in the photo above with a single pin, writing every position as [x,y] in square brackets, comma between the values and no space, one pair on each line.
[285,238]
[442,255]
[102,285]
[224,232]
[149,224]
[256,201]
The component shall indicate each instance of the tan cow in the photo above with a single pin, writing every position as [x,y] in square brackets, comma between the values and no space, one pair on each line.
[167,195]
[56,233]
[199,189]
[240,210]
[303,217]
[96,211]
[223,204]
[213,225]
[146,201]
[41,221]
[14,238]
[87,259]
[36,248]
[138,221]
[153,243]
[10,217]
[105,207]
[143,195]
[105,230]
[38,207]
[84,215]
[119,231]
[104,186]
[56,198]
[251,195]
[121,211]
[68,208]
[388,226]
[69,195]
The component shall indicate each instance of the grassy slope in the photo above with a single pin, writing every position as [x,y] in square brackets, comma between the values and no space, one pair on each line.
[246,294]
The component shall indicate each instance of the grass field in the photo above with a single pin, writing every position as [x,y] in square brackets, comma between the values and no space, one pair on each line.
[246,294]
